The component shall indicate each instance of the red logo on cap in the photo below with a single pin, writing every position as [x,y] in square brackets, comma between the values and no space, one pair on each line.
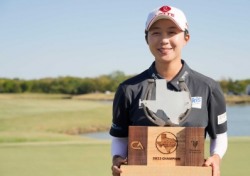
[165,8]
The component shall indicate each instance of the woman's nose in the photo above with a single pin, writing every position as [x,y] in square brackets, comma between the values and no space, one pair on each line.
[164,40]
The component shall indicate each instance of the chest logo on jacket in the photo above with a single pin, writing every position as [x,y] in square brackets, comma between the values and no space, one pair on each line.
[196,102]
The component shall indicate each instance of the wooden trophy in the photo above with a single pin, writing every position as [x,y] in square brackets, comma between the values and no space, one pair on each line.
[166,150]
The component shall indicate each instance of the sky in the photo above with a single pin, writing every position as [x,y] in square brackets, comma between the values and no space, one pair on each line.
[89,38]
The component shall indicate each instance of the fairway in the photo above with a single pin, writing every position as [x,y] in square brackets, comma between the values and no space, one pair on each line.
[88,159]
[92,158]
[39,135]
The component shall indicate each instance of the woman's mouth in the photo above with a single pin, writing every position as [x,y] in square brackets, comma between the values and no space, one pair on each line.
[165,50]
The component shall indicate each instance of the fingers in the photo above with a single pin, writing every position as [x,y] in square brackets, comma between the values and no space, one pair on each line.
[208,162]
[116,171]
[117,162]
[214,162]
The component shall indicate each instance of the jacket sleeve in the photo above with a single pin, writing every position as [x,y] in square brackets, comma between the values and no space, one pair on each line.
[216,112]
[120,120]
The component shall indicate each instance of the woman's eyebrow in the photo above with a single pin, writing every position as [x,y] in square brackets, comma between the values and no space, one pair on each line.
[173,27]
[155,27]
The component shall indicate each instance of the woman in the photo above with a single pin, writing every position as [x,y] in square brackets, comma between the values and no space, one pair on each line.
[166,35]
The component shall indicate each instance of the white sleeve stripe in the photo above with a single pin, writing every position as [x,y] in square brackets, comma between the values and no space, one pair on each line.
[119,146]
[219,145]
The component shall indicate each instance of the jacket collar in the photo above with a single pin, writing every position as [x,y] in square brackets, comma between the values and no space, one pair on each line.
[183,74]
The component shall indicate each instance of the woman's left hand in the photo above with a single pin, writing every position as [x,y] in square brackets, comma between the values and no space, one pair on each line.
[214,162]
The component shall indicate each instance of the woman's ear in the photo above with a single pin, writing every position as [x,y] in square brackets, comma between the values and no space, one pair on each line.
[187,37]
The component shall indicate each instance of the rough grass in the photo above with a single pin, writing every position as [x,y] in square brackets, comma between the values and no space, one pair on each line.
[233,99]
[95,96]
[34,117]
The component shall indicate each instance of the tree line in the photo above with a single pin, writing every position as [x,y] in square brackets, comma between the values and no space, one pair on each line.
[235,87]
[64,85]
[103,83]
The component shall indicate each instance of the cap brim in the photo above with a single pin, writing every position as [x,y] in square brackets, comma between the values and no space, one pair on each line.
[160,17]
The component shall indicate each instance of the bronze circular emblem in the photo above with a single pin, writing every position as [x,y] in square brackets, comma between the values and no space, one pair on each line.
[166,142]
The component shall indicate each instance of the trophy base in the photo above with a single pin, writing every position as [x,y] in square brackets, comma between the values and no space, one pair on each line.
[132,170]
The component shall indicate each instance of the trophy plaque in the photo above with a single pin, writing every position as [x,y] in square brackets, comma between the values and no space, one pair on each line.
[171,151]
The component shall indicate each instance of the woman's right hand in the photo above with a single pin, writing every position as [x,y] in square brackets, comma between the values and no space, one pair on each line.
[117,162]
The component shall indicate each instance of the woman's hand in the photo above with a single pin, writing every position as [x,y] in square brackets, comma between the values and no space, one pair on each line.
[117,162]
[214,162]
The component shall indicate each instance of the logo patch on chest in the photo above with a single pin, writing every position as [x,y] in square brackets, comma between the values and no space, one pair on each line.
[196,102]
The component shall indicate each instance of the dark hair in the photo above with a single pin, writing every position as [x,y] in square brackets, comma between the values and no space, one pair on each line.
[186,32]
[146,36]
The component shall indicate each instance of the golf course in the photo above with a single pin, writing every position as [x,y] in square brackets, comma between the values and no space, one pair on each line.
[42,135]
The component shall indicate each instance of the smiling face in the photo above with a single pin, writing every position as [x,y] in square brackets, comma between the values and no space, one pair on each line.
[165,41]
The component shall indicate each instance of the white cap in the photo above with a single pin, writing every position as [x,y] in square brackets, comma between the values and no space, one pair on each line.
[167,12]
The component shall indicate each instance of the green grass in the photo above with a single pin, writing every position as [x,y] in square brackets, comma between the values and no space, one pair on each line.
[83,159]
[34,117]
[39,135]
[95,96]
[237,158]
[92,158]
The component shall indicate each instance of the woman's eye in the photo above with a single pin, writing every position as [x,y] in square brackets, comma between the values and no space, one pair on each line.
[171,33]
[155,33]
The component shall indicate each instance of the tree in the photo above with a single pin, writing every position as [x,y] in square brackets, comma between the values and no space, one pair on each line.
[86,86]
